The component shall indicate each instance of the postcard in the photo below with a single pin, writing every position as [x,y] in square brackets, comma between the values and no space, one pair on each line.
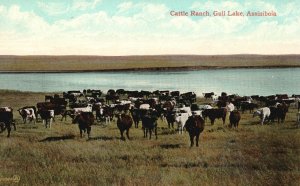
[136,92]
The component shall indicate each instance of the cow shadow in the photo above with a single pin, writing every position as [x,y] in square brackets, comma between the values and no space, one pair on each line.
[170,146]
[102,138]
[58,138]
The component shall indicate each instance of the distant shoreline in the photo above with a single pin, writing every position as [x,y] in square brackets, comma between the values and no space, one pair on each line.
[160,69]
[65,64]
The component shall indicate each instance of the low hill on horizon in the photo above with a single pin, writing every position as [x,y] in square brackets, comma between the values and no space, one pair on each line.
[70,63]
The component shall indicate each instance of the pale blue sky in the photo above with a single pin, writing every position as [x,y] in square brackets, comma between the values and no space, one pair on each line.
[136,27]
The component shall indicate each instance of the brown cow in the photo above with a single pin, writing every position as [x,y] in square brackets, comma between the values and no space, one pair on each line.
[194,125]
[234,118]
[124,123]
[84,120]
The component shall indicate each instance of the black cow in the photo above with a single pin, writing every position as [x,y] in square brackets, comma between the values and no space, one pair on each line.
[248,106]
[6,120]
[47,117]
[208,95]
[124,123]
[170,117]
[213,114]
[135,113]
[278,112]
[58,109]
[149,122]
[85,120]
[194,125]
[234,118]
[66,113]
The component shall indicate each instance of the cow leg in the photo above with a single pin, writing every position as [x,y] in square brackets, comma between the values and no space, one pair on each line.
[197,139]
[262,120]
[224,118]
[8,129]
[121,132]
[63,116]
[192,140]
[50,122]
[212,121]
[89,132]
[80,130]
[150,133]
[127,133]
[145,135]
[14,124]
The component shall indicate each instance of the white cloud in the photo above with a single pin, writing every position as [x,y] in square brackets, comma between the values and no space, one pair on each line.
[123,7]
[53,8]
[83,5]
[150,30]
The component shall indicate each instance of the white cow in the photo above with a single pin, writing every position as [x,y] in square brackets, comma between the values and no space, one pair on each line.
[180,119]
[230,107]
[263,113]
[89,108]
[29,115]
[145,106]
[197,113]
[6,109]
[204,107]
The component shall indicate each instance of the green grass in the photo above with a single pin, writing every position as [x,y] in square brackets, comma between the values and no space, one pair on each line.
[250,155]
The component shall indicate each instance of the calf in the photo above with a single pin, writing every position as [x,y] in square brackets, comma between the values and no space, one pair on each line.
[170,117]
[124,123]
[194,125]
[108,114]
[27,114]
[214,114]
[135,113]
[234,118]
[149,122]
[47,117]
[180,119]
[85,120]
[263,113]
[6,120]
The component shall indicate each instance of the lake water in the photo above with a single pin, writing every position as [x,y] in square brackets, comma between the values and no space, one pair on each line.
[239,81]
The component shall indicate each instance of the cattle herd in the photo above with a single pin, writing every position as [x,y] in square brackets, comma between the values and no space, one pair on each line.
[129,108]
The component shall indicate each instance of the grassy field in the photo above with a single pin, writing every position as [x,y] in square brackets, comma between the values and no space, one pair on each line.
[250,155]
[161,62]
